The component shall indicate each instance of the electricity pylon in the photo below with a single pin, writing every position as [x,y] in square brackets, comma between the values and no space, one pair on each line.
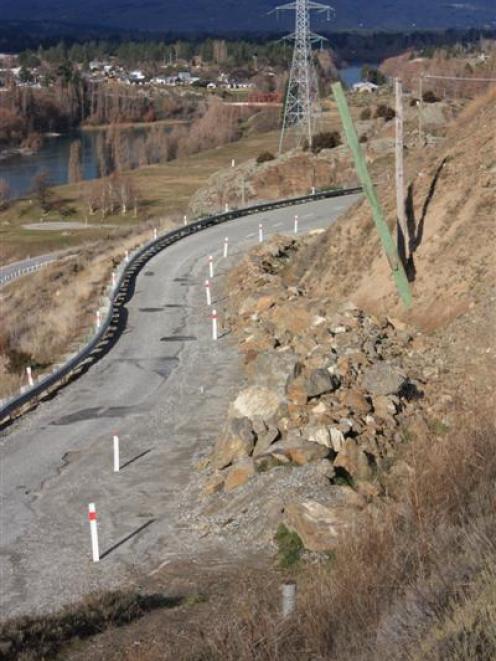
[303,95]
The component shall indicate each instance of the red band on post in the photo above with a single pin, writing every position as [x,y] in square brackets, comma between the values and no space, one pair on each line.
[91,516]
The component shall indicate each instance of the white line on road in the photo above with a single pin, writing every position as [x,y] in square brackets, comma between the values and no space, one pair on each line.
[250,236]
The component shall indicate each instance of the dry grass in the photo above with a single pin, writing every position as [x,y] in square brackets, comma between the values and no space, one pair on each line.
[417,581]
[50,312]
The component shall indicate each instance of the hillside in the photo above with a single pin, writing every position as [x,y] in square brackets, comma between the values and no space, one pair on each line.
[207,16]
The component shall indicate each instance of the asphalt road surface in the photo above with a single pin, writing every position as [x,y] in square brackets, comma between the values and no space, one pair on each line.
[164,388]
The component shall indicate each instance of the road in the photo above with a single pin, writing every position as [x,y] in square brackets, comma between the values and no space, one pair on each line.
[164,388]
[16,270]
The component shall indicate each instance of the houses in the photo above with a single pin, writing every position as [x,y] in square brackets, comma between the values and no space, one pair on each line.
[365,87]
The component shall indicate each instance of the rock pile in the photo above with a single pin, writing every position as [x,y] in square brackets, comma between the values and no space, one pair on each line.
[330,388]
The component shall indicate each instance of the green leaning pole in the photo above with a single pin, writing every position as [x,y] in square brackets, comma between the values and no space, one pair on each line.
[397,269]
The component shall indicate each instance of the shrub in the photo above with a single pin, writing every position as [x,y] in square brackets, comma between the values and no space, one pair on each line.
[290,547]
[265,156]
[363,138]
[325,140]
[366,114]
[385,111]
[430,97]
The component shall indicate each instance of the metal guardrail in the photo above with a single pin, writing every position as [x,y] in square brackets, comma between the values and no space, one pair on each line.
[24,270]
[120,294]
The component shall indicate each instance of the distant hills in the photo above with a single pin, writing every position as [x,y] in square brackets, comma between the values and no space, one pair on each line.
[242,16]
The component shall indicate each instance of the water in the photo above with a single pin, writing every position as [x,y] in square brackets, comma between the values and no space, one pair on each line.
[352,74]
[19,171]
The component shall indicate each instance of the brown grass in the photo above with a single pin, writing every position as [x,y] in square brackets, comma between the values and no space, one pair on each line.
[417,581]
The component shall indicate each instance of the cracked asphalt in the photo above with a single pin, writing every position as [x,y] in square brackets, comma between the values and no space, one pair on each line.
[164,388]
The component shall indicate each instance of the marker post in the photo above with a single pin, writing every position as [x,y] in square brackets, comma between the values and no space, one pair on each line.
[94,532]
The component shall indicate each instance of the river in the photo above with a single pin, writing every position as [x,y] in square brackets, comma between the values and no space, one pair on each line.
[53,157]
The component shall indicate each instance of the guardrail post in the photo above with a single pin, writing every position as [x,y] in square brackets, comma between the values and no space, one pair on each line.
[296,224]
[260,233]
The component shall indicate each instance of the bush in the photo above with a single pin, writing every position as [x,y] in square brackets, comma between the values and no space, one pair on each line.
[430,97]
[366,114]
[385,111]
[325,140]
[265,156]
[363,138]
[290,547]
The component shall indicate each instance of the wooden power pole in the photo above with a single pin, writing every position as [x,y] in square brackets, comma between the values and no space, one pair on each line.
[399,163]
[421,111]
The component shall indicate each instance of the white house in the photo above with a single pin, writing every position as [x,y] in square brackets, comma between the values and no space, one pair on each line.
[365,87]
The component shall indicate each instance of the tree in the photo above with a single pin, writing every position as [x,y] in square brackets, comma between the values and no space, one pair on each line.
[41,190]
[74,173]
[373,75]
[4,194]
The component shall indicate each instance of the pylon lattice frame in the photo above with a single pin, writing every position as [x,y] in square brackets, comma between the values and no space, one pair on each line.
[303,95]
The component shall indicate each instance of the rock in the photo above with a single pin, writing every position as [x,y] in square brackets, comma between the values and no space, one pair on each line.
[337,439]
[397,324]
[383,379]
[306,452]
[318,526]
[214,484]
[320,435]
[354,461]
[320,408]
[268,461]
[319,381]
[237,442]
[296,390]
[326,468]
[355,400]
[257,401]
[265,440]
[239,474]
[271,369]
[385,406]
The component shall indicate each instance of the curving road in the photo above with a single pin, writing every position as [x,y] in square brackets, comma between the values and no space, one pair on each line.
[16,270]
[164,387]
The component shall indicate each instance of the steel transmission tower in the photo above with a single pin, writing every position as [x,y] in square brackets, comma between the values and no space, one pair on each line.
[303,95]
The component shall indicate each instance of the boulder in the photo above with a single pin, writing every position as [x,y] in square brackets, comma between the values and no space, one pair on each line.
[354,461]
[320,435]
[319,381]
[296,390]
[239,474]
[306,452]
[265,440]
[318,526]
[271,369]
[237,442]
[356,401]
[269,460]
[385,406]
[257,401]
[337,439]
[383,379]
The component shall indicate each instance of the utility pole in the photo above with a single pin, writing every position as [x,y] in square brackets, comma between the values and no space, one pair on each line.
[399,163]
[302,95]
[421,110]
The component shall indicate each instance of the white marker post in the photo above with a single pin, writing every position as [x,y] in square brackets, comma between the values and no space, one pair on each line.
[226,208]
[226,247]
[126,255]
[116,454]
[313,190]
[209,293]
[98,319]
[296,225]
[260,232]
[185,220]
[233,163]
[30,376]
[155,233]
[288,598]
[211,266]
[113,279]
[214,325]
[93,531]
